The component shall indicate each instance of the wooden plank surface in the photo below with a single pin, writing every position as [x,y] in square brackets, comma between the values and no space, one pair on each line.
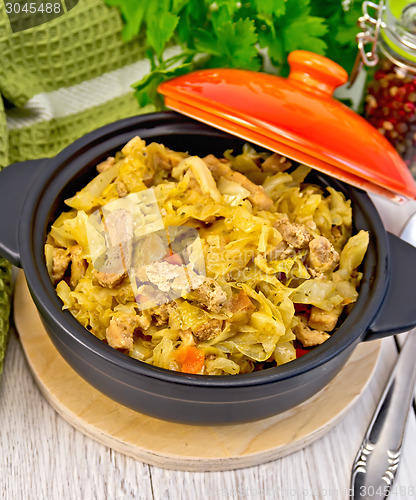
[184,447]
[43,457]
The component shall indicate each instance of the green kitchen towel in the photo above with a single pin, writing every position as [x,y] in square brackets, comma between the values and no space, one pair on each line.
[64,78]
[58,81]
[5,295]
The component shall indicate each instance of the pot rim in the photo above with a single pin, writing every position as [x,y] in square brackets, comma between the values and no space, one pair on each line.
[70,160]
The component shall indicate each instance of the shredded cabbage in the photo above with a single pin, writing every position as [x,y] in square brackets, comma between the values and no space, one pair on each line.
[262,280]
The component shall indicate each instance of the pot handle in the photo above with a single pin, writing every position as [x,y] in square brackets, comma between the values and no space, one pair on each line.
[15,182]
[398,311]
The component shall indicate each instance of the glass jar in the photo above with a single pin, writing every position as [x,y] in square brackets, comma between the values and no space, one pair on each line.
[390,100]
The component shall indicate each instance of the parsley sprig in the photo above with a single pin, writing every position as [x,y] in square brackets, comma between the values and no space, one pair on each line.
[236,34]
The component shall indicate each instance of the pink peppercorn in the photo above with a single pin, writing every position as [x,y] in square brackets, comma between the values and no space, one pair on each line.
[390,106]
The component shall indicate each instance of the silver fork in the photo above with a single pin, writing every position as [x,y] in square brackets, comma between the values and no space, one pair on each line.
[375,466]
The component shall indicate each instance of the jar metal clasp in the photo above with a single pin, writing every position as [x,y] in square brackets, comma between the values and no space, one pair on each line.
[370,23]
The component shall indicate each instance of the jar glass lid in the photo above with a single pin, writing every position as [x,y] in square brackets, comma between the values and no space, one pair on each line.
[399,28]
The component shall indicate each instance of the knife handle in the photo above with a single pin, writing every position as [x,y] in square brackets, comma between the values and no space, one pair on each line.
[375,466]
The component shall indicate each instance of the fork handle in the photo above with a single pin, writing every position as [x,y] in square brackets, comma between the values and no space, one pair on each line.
[376,464]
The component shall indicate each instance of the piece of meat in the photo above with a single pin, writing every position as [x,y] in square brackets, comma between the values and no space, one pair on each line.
[311,225]
[143,321]
[281,251]
[108,280]
[60,262]
[258,196]
[210,295]
[78,265]
[193,184]
[322,255]
[241,307]
[294,234]
[218,167]
[119,334]
[104,165]
[275,163]
[161,313]
[320,319]
[308,337]
[208,331]
[121,189]
[162,158]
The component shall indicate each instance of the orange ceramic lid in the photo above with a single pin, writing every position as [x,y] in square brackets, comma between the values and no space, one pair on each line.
[297,117]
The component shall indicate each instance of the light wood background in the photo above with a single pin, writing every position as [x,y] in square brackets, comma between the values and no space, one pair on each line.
[184,447]
[42,457]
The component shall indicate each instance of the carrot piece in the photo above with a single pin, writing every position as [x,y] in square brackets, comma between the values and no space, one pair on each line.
[241,307]
[190,358]
[241,302]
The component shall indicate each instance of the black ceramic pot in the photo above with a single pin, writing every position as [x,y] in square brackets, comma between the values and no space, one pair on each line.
[31,197]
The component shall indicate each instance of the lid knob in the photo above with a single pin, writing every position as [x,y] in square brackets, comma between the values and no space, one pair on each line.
[317,73]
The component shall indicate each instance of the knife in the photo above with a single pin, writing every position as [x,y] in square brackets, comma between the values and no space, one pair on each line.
[375,466]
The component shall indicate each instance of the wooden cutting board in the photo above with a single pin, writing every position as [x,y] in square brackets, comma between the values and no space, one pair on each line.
[184,447]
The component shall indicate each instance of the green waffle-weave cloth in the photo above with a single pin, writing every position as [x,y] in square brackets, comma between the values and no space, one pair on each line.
[58,81]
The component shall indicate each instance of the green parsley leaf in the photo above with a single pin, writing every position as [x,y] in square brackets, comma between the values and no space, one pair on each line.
[232,45]
[158,34]
[133,13]
[229,6]
[207,42]
[146,88]
[242,34]
[238,43]
[178,5]
[306,33]
[296,9]
[346,35]
[221,15]
[275,48]
[198,12]
[275,7]
[265,28]
[325,8]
